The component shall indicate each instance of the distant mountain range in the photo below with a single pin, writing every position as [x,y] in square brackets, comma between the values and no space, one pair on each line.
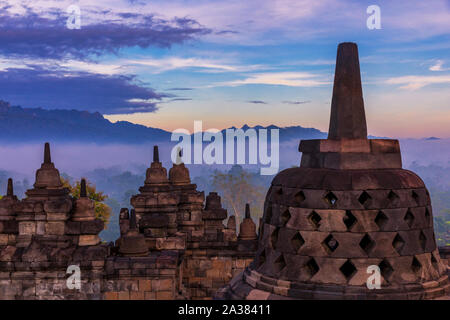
[28,125]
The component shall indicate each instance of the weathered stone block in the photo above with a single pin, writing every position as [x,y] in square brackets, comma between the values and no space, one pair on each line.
[3,239]
[150,295]
[137,295]
[162,285]
[55,228]
[92,227]
[111,295]
[73,227]
[164,295]
[57,216]
[58,206]
[40,227]
[145,285]
[154,221]
[88,240]
[9,226]
[123,295]
[170,243]
[27,228]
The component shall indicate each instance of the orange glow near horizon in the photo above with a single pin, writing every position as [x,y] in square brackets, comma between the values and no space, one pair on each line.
[396,122]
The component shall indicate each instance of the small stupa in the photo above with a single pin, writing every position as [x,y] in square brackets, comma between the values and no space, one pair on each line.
[84,207]
[48,181]
[133,243]
[156,174]
[247,227]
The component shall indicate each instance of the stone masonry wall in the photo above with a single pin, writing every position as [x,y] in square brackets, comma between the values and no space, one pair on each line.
[172,245]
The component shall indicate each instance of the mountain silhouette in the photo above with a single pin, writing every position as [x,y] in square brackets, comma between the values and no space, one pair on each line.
[29,125]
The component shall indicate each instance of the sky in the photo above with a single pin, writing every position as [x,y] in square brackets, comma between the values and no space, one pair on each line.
[166,63]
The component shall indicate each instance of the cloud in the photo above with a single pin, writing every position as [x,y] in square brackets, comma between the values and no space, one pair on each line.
[180,89]
[269,22]
[417,82]
[227,32]
[66,64]
[257,102]
[174,63]
[179,99]
[438,66]
[44,34]
[57,89]
[296,102]
[290,79]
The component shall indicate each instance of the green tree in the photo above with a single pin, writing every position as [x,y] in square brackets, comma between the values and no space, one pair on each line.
[442,229]
[102,210]
[236,189]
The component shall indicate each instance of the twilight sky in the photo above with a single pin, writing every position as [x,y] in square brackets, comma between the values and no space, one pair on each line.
[166,63]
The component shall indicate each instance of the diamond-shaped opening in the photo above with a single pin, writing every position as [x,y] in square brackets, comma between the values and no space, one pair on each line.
[422,240]
[299,197]
[279,263]
[392,196]
[385,269]
[415,196]
[279,194]
[367,243]
[409,218]
[297,241]
[285,216]
[274,238]
[398,243]
[349,219]
[262,258]
[330,198]
[330,244]
[381,220]
[268,216]
[364,197]
[427,216]
[312,267]
[314,219]
[348,269]
[416,266]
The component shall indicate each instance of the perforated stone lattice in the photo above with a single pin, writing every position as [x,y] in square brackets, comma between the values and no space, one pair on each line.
[311,216]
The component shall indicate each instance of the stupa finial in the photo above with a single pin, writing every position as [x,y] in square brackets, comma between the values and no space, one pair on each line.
[10,189]
[247,211]
[83,189]
[47,155]
[133,224]
[155,154]
[348,119]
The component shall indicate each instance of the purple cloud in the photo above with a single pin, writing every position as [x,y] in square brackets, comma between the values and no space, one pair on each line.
[296,102]
[257,102]
[180,89]
[32,35]
[52,89]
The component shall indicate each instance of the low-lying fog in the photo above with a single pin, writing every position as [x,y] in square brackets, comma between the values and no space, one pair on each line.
[78,159]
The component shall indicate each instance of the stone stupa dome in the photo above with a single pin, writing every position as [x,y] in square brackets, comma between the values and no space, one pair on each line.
[348,207]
